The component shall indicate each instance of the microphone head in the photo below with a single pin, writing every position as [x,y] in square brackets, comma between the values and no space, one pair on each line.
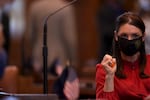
[72,1]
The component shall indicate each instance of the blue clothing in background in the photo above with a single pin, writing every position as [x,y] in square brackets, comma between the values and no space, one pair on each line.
[3,62]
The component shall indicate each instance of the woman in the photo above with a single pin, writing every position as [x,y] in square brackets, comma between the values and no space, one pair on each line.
[125,75]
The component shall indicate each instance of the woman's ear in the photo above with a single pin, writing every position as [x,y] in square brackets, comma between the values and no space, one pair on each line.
[115,35]
[143,38]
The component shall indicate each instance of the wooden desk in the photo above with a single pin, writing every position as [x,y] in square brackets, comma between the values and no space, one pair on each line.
[27,85]
[87,88]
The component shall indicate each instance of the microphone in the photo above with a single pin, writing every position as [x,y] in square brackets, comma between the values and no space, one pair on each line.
[45,50]
[51,14]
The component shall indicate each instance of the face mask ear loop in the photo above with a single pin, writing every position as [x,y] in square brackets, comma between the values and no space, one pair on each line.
[114,43]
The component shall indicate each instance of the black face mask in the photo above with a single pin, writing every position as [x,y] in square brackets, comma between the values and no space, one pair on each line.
[130,47]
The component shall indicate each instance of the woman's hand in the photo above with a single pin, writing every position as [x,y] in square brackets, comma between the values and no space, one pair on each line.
[147,98]
[109,64]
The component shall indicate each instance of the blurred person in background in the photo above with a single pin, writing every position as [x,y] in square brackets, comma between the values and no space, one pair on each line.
[61,42]
[144,11]
[5,20]
[107,13]
[61,33]
[3,54]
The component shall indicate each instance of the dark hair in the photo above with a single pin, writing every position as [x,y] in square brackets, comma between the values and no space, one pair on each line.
[135,20]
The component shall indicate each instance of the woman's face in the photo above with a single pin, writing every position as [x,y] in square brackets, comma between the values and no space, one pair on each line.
[129,39]
[129,32]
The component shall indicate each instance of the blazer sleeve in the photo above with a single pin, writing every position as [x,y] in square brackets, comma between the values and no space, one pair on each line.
[100,79]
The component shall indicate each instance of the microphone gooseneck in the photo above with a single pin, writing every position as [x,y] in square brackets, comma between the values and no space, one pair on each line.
[45,49]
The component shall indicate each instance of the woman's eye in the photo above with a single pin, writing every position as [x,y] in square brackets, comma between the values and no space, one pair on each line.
[124,36]
[134,36]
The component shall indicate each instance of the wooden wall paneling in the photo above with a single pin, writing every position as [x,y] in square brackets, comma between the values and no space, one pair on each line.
[87,34]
